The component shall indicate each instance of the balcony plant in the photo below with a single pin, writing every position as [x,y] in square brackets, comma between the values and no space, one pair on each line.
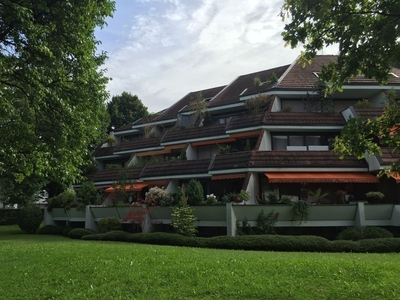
[375,197]
[272,197]
[318,195]
[300,211]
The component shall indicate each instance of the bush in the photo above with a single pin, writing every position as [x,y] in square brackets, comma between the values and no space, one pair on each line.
[29,218]
[387,245]
[78,233]
[375,233]
[350,234]
[109,224]
[66,231]
[194,192]
[355,234]
[343,246]
[8,216]
[87,193]
[47,229]
[182,220]
[117,235]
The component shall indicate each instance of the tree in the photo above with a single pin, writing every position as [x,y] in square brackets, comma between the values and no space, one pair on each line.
[52,90]
[124,109]
[367,33]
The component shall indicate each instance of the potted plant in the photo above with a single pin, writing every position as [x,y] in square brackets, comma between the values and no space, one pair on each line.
[375,197]
[318,195]
[272,197]
[300,210]
[244,196]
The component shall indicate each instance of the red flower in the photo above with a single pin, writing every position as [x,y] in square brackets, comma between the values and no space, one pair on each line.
[276,215]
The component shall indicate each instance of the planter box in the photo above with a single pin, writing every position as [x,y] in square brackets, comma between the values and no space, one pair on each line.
[59,214]
[251,212]
[210,213]
[378,211]
[77,215]
[332,212]
[104,212]
[160,213]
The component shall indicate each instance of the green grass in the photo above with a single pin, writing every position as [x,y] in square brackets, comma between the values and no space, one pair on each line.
[54,267]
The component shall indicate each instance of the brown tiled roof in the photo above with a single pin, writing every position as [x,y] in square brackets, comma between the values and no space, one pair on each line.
[138,144]
[231,160]
[232,92]
[303,118]
[246,120]
[389,156]
[304,78]
[124,127]
[104,151]
[194,133]
[369,113]
[288,159]
[113,175]
[186,167]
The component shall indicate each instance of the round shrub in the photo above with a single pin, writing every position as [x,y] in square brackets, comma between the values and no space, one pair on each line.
[29,218]
[47,229]
[350,234]
[66,231]
[109,224]
[77,233]
[375,233]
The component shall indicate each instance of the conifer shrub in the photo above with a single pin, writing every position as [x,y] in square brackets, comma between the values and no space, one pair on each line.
[194,192]
[109,224]
[29,218]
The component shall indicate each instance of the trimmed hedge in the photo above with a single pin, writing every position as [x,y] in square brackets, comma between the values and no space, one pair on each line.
[355,234]
[78,233]
[255,242]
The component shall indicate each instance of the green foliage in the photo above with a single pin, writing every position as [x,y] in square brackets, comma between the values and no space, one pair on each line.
[64,200]
[47,229]
[375,196]
[182,220]
[194,192]
[248,146]
[53,91]
[318,194]
[266,222]
[356,233]
[287,108]
[87,193]
[207,119]
[8,216]
[109,224]
[272,197]
[364,103]
[258,104]
[78,233]
[29,218]
[109,140]
[183,156]
[224,149]
[300,210]
[257,81]
[125,109]
[363,49]
[244,195]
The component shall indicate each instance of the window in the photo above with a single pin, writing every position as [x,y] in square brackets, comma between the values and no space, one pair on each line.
[279,142]
[282,141]
[313,140]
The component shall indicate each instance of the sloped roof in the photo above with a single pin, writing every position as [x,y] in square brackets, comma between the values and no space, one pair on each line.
[231,160]
[105,151]
[303,118]
[113,174]
[138,144]
[299,77]
[184,168]
[244,85]
[369,113]
[389,156]
[194,133]
[310,159]
[246,120]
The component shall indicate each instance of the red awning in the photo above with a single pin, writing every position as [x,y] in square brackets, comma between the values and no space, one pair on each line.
[395,176]
[129,187]
[213,142]
[245,134]
[228,176]
[321,178]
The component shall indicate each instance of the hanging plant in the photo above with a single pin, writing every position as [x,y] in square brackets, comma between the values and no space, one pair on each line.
[300,211]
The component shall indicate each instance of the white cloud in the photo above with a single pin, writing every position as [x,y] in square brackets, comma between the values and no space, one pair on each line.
[175,46]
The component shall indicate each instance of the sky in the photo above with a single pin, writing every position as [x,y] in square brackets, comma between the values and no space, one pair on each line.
[160,50]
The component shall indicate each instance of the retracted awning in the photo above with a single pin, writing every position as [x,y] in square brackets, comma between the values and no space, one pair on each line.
[321,178]
[213,142]
[395,176]
[228,176]
[129,187]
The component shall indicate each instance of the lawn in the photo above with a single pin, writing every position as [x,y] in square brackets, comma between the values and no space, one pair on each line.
[54,267]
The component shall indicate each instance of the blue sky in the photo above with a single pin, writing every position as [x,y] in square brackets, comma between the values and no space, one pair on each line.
[161,50]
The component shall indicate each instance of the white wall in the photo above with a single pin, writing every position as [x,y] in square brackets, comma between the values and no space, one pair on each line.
[378,100]
[266,143]
[253,188]
[172,186]
[276,106]
[191,152]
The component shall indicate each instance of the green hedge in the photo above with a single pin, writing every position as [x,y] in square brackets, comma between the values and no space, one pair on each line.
[255,242]
[78,233]
[355,233]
